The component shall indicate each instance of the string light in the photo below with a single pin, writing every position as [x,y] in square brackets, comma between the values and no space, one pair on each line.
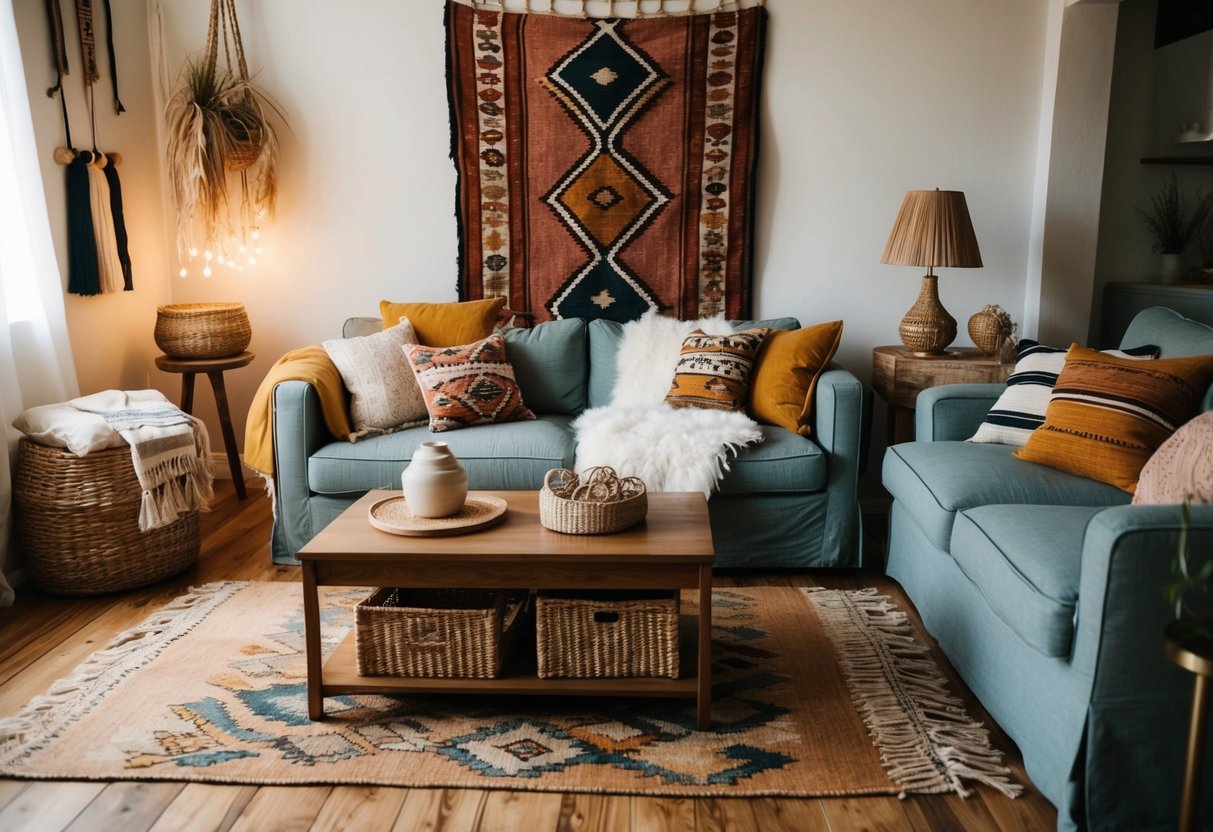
[245,250]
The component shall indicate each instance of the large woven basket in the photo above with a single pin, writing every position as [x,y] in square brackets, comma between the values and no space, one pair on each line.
[436,633]
[570,516]
[77,519]
[202,330]
[599,634]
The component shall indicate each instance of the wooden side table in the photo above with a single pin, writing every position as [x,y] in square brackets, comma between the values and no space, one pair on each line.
[898,376]
[214,368]
[1192,652]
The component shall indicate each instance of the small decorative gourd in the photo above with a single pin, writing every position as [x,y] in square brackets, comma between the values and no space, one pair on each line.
[990,328]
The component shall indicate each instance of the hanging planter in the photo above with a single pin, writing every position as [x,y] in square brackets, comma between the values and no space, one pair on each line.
[218,126]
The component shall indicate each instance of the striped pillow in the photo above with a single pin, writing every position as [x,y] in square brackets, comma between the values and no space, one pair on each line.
[1021,407]
[1107,415]
[713,371]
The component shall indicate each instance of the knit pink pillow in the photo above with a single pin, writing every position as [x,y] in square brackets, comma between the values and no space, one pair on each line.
[1182,466]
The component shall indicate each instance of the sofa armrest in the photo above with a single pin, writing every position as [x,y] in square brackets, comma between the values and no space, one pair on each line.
[953,411]
[841,416]
[1139,701]
[299,431]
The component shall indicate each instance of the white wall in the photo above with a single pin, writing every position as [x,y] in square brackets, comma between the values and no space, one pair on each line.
[862,102]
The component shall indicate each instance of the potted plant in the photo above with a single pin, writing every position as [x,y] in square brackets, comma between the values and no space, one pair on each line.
[218,125]
[1174,227]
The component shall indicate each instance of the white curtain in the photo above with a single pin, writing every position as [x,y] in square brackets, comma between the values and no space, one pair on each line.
[35,354]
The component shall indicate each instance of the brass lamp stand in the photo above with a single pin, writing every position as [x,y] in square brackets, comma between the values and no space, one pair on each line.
[1194,653]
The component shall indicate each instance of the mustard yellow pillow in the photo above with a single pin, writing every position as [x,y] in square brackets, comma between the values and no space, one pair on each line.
[1107,416]
[445,324]
[789,365]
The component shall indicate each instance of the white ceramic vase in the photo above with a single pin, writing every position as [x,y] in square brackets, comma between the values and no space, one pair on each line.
[435,483]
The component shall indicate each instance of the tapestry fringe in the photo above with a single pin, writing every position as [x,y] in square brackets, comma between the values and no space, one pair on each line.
[607,9]
[45,717]
[927,742]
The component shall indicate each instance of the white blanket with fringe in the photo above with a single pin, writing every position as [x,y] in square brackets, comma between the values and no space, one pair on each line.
[170,451]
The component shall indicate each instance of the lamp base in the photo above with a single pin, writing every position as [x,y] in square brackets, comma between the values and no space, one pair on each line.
[927,328]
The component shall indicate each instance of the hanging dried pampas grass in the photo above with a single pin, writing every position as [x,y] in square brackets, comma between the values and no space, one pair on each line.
[217,125]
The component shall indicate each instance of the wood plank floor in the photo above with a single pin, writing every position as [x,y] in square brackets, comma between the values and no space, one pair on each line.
[42,638]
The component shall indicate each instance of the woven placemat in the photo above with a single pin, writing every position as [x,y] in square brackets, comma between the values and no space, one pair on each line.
[392,515]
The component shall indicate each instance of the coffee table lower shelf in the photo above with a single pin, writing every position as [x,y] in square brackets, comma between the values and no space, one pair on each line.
[519,676]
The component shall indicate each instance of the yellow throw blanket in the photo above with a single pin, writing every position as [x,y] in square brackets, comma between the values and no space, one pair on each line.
[313,365]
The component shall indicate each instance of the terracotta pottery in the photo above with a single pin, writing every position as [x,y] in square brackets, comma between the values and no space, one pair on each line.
[435,483]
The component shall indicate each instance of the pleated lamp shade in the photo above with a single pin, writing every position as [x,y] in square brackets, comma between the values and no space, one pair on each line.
[932,229]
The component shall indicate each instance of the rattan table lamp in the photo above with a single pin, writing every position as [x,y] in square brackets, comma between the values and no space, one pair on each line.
[932,229]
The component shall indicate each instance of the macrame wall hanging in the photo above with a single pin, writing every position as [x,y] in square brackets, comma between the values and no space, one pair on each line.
[606,154]
[222,153]
[98,256]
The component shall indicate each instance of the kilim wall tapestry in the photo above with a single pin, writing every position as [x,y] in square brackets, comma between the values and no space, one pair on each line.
[606,165]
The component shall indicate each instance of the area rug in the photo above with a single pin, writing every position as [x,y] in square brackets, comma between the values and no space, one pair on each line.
[605,166]
[213,688]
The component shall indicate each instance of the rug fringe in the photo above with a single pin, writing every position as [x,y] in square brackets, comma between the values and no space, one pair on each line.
[45,716]
[927,742]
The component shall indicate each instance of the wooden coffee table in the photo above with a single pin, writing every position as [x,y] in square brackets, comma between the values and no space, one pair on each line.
[671,549]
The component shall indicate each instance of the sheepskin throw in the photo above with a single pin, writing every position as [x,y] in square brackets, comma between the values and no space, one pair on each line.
[605,166]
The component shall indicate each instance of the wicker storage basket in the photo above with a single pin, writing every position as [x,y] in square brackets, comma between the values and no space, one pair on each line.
[436,633]
[597,634]
[202,330]
[561,514]
[77,518]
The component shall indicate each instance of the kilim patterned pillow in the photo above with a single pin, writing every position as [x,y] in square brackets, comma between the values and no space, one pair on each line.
[1108,415]
[1021,407]
[468,385]
[713,371]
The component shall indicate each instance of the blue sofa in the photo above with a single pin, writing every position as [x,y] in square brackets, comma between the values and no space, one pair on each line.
[787,502]
[1045,590]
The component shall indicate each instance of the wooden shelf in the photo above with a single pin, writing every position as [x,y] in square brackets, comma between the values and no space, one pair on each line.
[1177,160]
[340,675]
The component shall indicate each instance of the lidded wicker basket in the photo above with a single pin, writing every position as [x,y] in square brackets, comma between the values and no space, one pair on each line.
[202,330]
[600,502]
[77,518]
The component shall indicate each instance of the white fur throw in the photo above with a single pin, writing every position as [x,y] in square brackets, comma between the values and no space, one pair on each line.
[648,355]
[639,435]
[670,449]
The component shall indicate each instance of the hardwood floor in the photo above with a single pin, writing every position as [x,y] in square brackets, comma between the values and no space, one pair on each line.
[42,638]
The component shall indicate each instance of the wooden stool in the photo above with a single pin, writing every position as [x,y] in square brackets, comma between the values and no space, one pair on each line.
[213,367]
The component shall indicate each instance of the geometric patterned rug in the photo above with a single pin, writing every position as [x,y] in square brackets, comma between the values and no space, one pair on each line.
[212,688]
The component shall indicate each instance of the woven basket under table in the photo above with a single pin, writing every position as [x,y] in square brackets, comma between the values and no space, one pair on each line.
[435,633]
[77,519]
[604,634]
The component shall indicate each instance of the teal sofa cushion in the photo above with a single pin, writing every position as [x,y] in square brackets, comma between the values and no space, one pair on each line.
[934,480]
[783,463]
[549,361]
[1026,561]
[509,456]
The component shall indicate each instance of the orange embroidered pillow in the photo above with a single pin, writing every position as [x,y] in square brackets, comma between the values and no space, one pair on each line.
[789,365]
[713,371]
[467,385]
[1107,416]
[445,324]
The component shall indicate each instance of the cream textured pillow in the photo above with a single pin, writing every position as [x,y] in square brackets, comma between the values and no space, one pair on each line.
[1181,467]
[384,395]
[63,426]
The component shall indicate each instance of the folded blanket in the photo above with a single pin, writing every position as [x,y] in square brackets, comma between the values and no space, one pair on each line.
[313,365]
[170,451]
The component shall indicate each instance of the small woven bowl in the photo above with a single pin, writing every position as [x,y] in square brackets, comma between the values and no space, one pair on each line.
[561,514]
[202,330]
